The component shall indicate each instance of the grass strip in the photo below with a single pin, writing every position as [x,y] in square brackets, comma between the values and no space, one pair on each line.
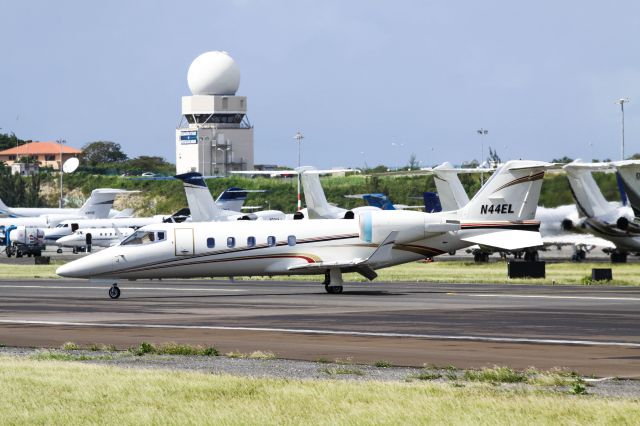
[433,272]
[39,392]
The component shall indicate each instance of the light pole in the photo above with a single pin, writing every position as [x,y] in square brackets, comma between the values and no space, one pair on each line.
[298,137]
[61,142]
[622,101]
[482,132]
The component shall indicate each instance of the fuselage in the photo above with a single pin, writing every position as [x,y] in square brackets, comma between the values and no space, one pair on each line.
[101,237]
[66,227]
[248,248]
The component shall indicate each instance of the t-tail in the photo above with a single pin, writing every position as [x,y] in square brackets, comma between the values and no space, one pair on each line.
[510,194]
[317,204]
[200,200]
[99,204]
[628,173]
[501,213]
[586,193]
[232,199]
[6,210]
[450,190]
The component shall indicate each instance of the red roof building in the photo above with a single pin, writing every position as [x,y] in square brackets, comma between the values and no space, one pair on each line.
[48,154]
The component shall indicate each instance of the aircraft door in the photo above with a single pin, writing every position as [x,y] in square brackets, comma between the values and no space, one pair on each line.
[184,241]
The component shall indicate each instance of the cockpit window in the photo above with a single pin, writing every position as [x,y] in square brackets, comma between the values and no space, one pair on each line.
[144,237]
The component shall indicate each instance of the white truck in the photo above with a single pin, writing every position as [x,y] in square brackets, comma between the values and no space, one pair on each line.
[21,240]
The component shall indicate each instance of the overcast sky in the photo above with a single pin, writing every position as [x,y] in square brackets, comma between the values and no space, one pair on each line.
[364,81]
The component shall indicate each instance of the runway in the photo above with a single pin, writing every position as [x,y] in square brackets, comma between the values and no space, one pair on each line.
[593,330]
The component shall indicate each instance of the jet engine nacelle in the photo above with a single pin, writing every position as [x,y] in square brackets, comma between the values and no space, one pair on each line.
[622,223]
[567,224]
[375,226]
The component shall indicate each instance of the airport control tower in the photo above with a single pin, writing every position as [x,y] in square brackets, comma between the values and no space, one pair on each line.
[214,136]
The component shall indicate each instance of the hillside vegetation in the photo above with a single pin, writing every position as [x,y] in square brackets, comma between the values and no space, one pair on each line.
[167,196]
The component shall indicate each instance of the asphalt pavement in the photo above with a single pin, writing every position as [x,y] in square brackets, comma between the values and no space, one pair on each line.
[593,330]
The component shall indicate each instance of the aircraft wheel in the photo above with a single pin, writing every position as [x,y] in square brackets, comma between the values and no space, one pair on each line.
[114,291]
[333,289]
[59,251]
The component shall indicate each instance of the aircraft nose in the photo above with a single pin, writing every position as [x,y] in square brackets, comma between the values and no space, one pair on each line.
[70,270]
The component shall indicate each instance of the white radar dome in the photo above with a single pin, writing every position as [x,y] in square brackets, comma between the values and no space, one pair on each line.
[213,73]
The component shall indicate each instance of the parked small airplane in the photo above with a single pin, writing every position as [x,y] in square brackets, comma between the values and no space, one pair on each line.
[68,227]
[500,215]
[610,221]
[89,237]
[97,206]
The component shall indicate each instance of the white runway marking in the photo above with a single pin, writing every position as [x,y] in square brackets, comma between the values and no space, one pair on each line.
[330,332]
[102,287]
[542,296]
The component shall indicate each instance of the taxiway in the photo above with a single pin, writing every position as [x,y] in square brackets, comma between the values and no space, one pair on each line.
[587,329]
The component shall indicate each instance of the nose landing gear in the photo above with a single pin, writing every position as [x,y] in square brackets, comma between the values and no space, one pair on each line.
[114,291]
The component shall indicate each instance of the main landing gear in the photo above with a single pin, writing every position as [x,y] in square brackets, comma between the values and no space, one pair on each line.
[114,291]
[333,281]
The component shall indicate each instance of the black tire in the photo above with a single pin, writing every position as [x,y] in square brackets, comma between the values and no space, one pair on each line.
[114,292]
[59,251]
[333,289]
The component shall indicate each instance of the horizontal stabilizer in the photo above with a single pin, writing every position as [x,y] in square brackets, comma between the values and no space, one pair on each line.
[507,240]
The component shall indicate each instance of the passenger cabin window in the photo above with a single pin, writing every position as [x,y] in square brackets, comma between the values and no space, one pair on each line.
[211,242]
[143,237]
[231,242]
[291,240]
[251,241]
[271,241]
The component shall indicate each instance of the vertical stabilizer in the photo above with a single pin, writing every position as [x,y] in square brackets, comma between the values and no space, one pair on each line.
[586,193]
[510,194]
[6,210]
[232,199]
[317,204]
[629,178]
[99,204]
[450,190]
[201,204]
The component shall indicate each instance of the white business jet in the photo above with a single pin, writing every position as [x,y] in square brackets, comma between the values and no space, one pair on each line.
[98,205]
[608,220]
[500,215]
[89,237]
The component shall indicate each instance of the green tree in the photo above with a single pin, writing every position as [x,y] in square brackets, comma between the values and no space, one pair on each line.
[103,152]
[146,163]
[9,141]
[563,160]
